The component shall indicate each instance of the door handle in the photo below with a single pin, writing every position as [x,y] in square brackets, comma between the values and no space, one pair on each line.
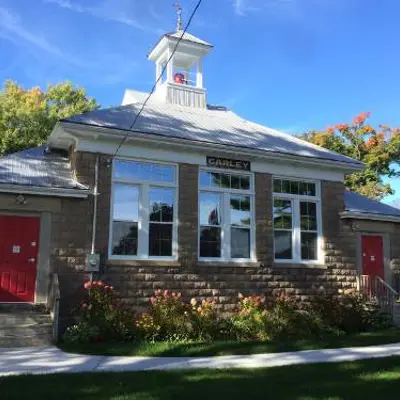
[31,260]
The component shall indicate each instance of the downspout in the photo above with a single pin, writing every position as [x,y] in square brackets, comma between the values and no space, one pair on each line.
[95,196]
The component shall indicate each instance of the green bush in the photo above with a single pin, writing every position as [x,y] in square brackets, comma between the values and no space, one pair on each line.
[349,313]
[102,317]
[171,315]
[169,318]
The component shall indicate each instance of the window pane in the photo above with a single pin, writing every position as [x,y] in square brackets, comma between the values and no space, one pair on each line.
[124,238]
[283,245]
[126,202]
[282,214]
[235,181]
[240,210]
[240,243]
[294,187]
[160,239]
[245,182]
[285,186]
[308,216]
[277,185]
[210,242]
[210,209]
[303,188]
[311,189]
[144,171]
[309,245]
[225,181]
[210,179]
[161,205]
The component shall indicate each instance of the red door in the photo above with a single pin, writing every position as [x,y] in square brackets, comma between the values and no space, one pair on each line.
[372,256]
[19,244]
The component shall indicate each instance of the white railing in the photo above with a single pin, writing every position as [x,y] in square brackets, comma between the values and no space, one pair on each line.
[374,288]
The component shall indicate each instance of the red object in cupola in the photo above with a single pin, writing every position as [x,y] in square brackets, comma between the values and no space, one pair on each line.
[179,78]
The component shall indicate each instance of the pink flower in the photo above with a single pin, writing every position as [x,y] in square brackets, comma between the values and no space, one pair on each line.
[87,285]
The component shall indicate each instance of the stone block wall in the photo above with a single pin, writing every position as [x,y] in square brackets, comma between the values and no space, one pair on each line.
[136,280]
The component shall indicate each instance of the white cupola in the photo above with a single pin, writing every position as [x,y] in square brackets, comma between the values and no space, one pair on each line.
[182,82]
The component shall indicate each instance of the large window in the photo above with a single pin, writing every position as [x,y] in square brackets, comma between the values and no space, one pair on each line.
[143,210]
[226,223]
[297,221]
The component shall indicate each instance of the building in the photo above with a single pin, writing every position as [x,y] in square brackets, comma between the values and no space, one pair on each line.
[193,198]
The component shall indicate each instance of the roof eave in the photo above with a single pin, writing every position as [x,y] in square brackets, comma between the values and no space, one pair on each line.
[95,132]
[348,214]
[45,191]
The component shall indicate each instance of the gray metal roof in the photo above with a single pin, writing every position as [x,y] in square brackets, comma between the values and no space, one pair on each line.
[215,125]
[37,167]
[357,203]
[188,37]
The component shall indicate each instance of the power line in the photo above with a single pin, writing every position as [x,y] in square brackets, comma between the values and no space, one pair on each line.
[159,78]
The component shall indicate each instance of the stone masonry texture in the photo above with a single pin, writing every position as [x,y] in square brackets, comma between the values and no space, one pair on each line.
[136,281]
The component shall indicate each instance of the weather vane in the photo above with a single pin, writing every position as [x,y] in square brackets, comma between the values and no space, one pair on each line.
[178,9]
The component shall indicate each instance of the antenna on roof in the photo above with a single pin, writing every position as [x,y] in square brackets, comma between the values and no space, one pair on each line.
[178,9]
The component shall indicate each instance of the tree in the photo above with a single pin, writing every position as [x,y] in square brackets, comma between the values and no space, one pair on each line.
[378,148]
[27,117]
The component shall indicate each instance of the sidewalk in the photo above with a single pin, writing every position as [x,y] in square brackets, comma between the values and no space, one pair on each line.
[53,360]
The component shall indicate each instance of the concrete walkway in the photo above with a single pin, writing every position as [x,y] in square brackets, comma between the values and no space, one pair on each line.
[53,360]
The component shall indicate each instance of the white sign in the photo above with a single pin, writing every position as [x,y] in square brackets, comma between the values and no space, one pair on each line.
[16,249]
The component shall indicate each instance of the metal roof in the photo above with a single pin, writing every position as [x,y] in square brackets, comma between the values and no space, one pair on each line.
[356,203]
[188,37]
[214,125]
[37,167]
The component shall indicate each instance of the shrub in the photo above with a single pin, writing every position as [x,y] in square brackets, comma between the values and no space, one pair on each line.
[249,322]
[206,324]
[102,316]
[171,315]
[349,313]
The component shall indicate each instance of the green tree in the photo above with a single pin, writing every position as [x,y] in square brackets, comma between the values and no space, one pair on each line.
[378,148]
[27,117]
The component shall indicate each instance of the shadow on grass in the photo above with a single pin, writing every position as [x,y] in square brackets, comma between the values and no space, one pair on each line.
[372,379]
[219,348]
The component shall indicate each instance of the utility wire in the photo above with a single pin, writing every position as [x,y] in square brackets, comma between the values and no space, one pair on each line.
[159,78]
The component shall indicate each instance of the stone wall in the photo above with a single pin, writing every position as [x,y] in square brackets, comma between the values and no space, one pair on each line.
[137,280]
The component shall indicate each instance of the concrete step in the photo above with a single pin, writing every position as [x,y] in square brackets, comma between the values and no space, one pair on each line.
[22,326]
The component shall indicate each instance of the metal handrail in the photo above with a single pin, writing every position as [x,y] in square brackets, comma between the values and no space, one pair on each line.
[374,288]
[53,304]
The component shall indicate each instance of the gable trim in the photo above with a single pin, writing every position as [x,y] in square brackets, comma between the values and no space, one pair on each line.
[43,191]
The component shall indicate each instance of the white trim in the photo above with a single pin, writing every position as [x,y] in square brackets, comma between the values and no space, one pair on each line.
[225,225]
[296,227]
[80,130]
[54,192]
[143,219]
[368,216]
[158,151]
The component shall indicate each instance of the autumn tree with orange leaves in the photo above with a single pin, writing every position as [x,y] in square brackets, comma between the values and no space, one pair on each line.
[378,148]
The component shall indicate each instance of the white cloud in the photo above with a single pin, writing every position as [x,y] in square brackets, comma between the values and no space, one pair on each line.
[110,10]
[10,25]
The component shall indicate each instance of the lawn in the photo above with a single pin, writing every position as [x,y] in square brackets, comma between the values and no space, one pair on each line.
[368,379]
[172,349]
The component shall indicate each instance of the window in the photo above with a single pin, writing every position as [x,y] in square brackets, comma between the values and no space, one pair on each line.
[143,210]
[226,227]
[297,221]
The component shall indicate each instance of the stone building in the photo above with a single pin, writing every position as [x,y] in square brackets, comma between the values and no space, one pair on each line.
[174,193]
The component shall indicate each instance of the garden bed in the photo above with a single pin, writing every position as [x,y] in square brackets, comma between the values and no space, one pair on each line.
[230,347]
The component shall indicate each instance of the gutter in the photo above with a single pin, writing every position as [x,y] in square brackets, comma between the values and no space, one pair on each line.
[369,216]
[71,127]
[42,191]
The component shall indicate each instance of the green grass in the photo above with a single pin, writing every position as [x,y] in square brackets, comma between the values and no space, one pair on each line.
[368,379]
[175,349]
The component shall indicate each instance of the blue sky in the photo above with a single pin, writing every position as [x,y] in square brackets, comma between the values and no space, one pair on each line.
[293,65]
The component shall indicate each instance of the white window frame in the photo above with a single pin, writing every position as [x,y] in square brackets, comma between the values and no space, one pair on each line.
[226,216]
[144,213]
[296,228]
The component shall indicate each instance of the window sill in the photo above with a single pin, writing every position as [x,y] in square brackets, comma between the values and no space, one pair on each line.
[299,265]
[228,263]
[144,263]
